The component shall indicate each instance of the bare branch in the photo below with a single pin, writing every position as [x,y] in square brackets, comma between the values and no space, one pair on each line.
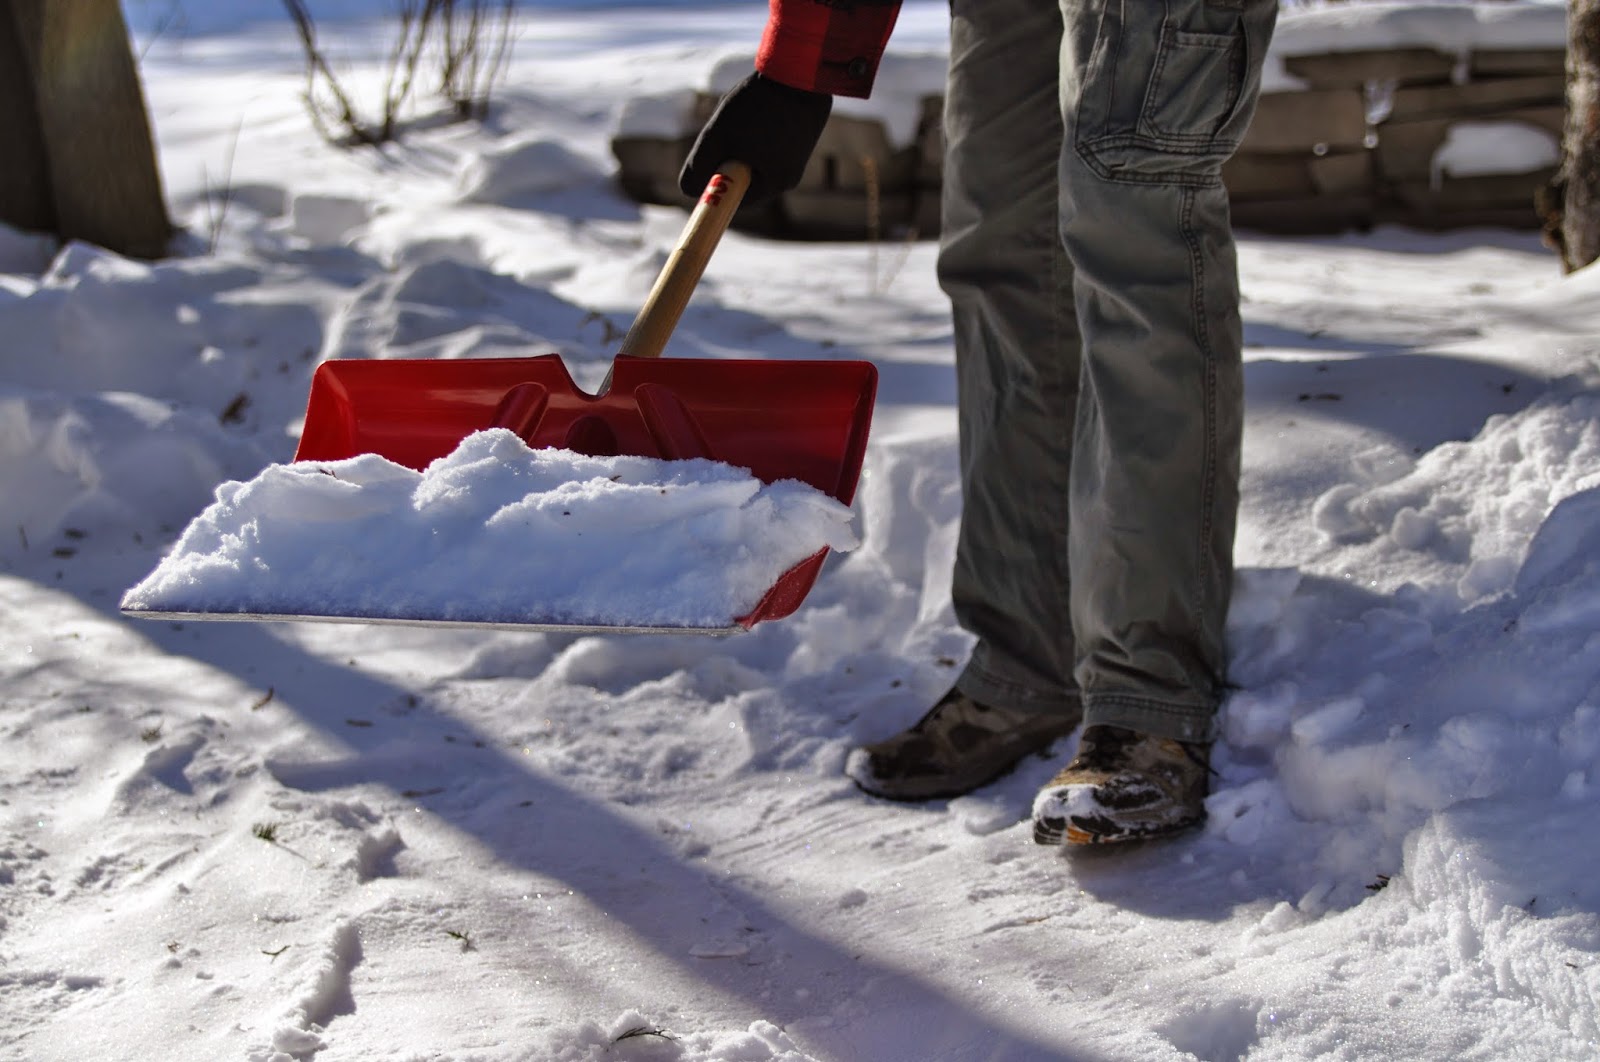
[469,64]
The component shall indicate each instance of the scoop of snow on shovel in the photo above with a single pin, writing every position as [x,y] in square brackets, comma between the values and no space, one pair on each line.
[496,532]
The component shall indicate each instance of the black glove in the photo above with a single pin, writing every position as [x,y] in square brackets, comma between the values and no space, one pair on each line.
[765,124]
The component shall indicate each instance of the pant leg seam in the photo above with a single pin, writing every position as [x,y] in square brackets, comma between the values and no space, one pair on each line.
[1059,264]
[1208,473]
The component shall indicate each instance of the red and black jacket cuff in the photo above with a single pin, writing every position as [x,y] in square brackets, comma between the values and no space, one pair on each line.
[831,46]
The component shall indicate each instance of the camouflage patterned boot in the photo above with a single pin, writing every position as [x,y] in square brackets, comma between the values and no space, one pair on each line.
[1123,786]
[957,747]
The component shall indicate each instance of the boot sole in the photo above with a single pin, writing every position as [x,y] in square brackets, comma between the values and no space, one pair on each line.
[1075,834]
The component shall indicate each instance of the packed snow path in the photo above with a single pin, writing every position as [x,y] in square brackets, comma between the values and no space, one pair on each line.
[275,842]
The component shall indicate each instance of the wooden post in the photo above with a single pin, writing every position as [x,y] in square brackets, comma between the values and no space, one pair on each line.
[74,133]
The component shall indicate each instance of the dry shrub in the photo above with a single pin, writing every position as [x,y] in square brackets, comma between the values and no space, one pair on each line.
[468,41]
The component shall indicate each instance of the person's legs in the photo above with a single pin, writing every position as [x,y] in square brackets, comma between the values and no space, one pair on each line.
[1155,97]
[1017,346]
[1003,266]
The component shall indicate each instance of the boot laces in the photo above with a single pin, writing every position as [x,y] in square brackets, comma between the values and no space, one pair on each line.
[1106,747]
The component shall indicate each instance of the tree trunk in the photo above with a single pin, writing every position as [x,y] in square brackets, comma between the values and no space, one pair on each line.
[74,133]
[1572,206]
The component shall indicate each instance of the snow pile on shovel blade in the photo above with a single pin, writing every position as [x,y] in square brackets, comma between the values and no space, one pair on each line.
[497,532]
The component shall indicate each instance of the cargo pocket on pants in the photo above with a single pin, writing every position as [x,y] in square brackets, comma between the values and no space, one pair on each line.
[1195,87]
[1173,113]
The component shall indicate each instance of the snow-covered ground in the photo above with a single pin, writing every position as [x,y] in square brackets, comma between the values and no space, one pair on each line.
[364,842]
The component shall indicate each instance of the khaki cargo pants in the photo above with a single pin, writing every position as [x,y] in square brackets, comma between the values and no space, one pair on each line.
[1090,263]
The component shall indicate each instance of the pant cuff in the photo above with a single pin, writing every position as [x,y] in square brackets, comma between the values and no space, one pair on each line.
[1196,723]
[985,688]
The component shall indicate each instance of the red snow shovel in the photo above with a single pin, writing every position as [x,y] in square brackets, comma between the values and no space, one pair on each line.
[801,420]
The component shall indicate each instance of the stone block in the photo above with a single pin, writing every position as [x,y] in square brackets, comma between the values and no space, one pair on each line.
[1435,219]
[647,168]
[1475,98]
[1406,66]
[843,214]
[1310,216]
[1405,150]
[1295,121]
[1343,175]
[1257,176]
[1457,195]
[1549,118]
[855,153]
[1518,62]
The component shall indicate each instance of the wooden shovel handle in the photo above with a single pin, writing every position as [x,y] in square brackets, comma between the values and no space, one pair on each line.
[666,302]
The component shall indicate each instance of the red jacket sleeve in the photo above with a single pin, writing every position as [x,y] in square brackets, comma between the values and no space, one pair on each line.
[831,46]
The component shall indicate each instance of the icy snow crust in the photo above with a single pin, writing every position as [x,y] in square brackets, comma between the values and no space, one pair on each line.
[497,533]
[388,844]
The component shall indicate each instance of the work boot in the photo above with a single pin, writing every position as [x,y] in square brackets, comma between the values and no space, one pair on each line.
[1123,786]
[957,747]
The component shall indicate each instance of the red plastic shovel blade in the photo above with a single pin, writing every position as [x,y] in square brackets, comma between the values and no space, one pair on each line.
[802,420]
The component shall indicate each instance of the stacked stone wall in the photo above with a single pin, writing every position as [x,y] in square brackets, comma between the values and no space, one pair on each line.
[1358,145]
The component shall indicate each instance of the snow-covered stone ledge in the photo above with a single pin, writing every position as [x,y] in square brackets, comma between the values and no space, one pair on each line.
[1435,116]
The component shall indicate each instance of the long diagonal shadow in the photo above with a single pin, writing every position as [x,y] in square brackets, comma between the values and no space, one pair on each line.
[531,822]
[541,827]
